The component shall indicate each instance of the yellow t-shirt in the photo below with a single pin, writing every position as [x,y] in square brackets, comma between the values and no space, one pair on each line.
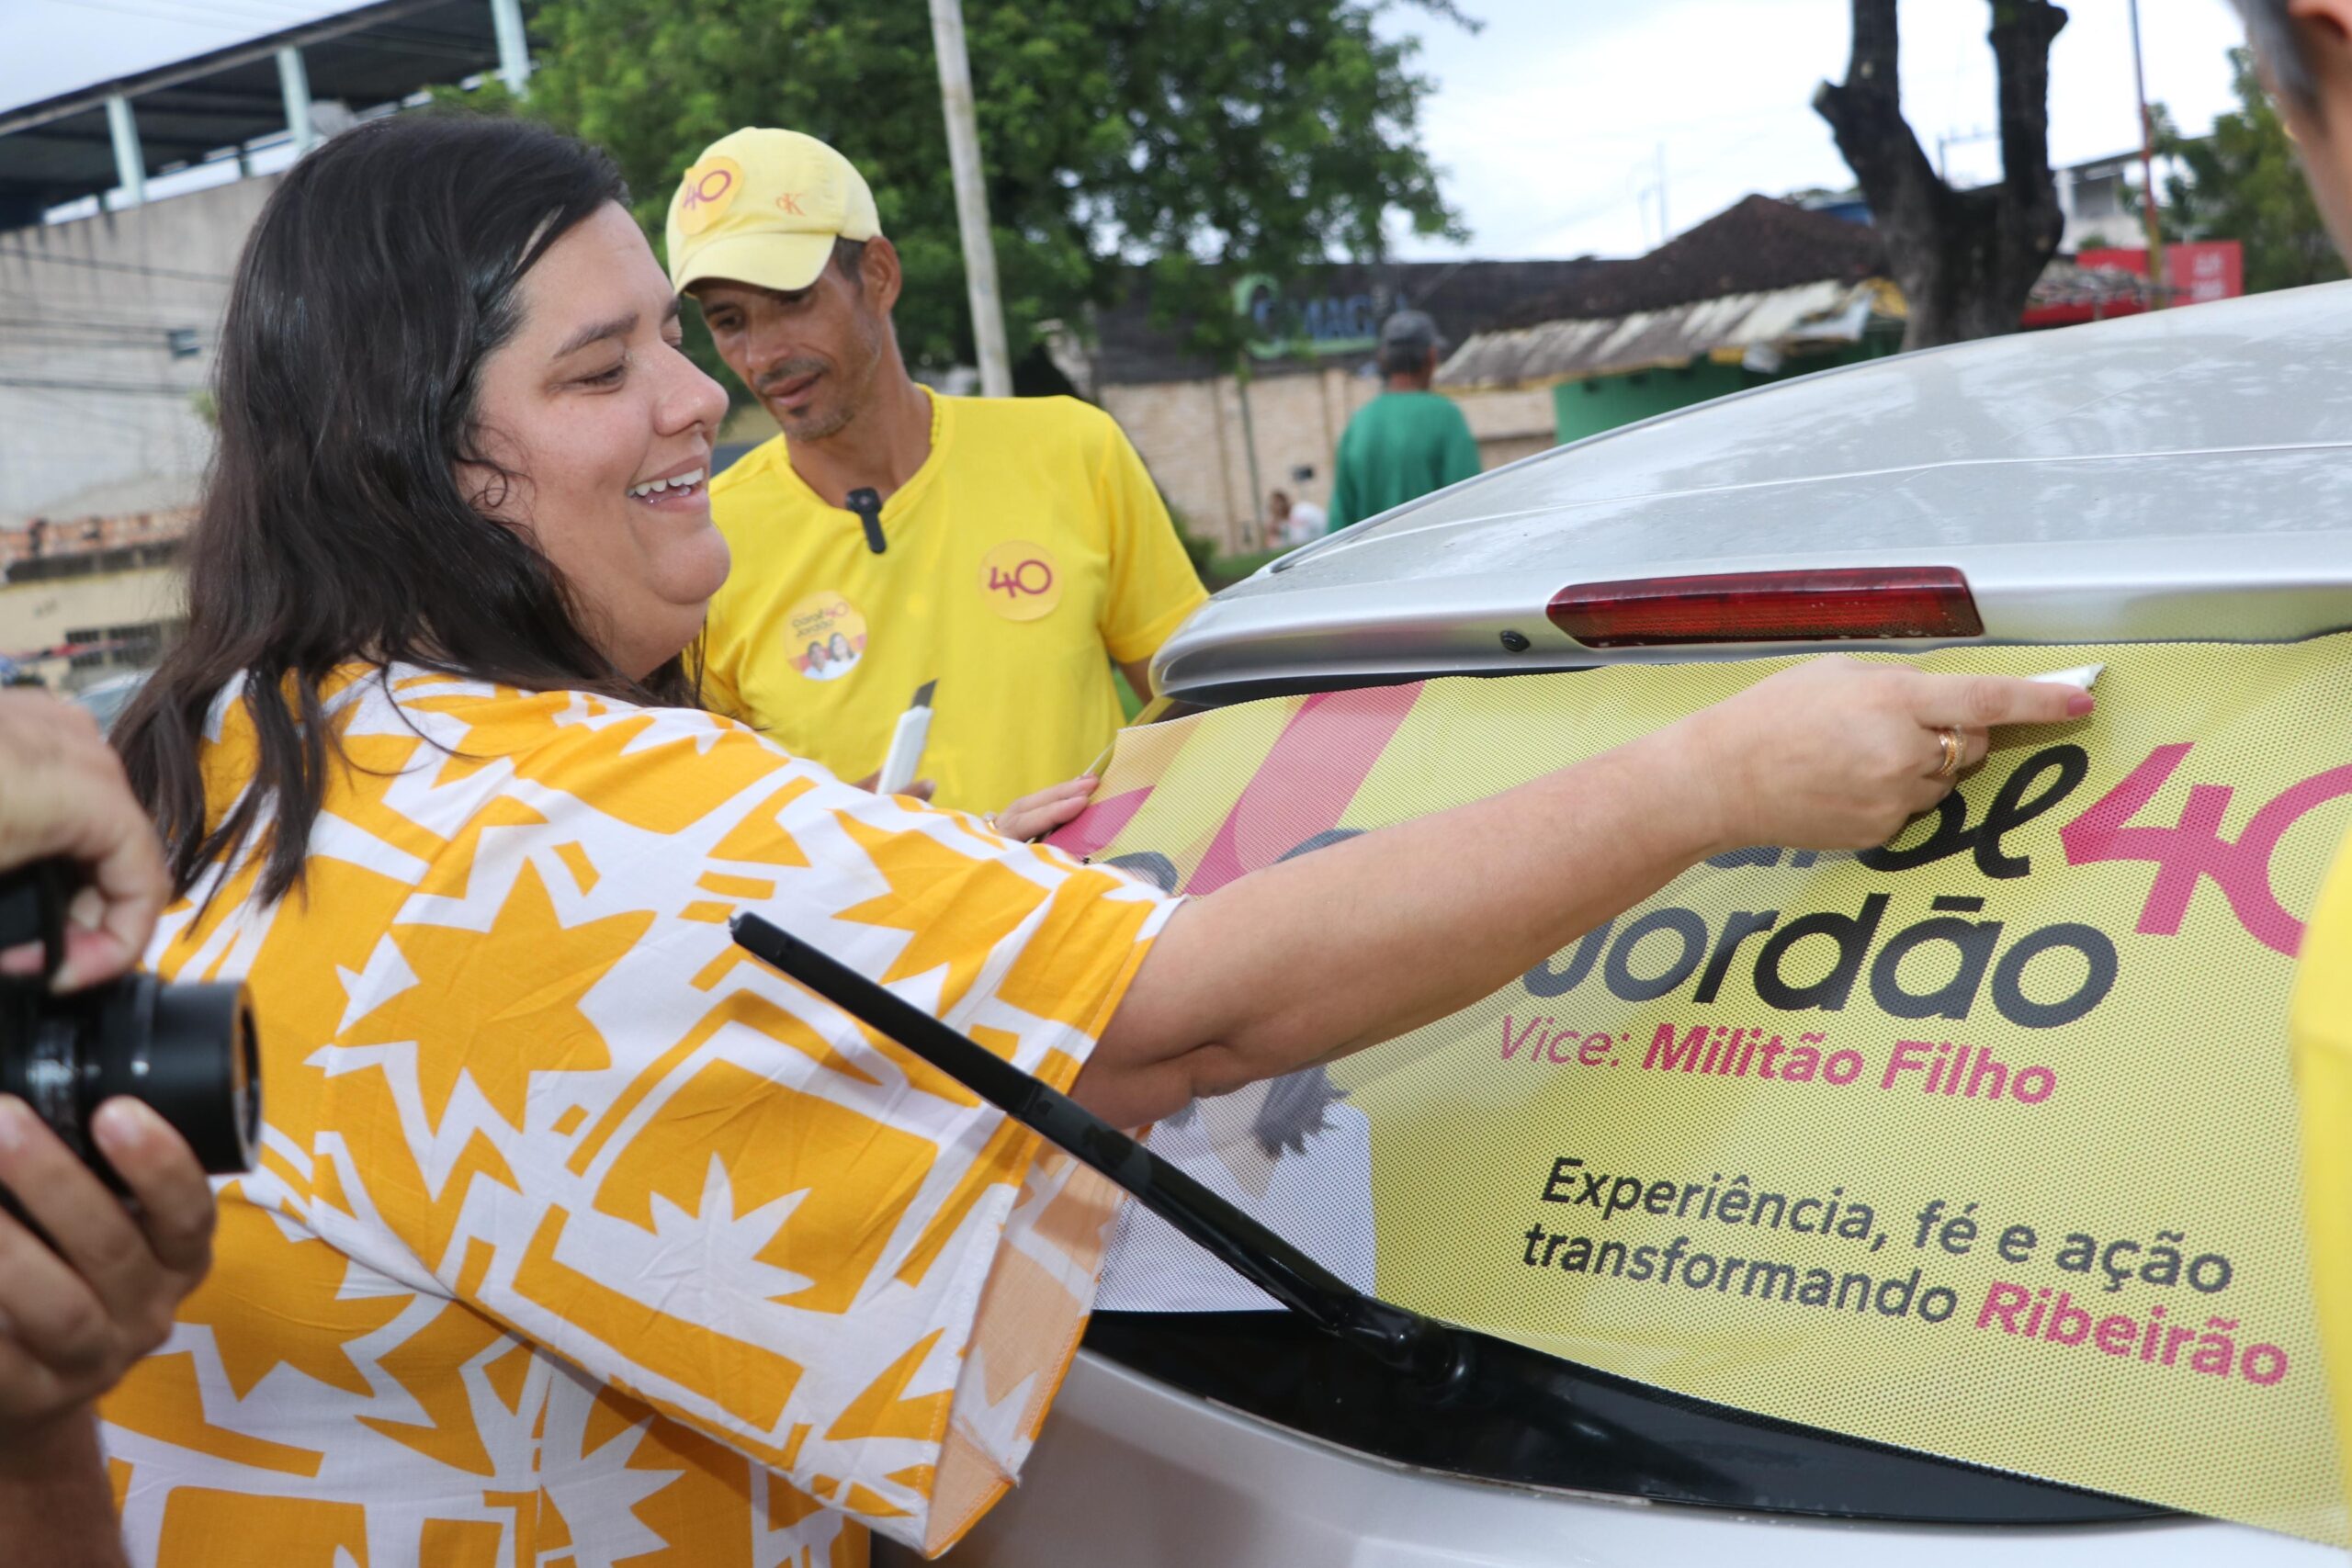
[2320,1021]
[578,1234]
[1028,551]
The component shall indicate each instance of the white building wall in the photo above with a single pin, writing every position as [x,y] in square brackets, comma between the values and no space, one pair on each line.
[90,395]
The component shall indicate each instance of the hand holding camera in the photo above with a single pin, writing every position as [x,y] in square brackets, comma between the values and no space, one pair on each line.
[100,1293]
[62,794]
[128,1090]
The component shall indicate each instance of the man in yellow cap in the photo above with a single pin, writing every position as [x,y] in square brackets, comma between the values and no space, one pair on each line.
[1010,550]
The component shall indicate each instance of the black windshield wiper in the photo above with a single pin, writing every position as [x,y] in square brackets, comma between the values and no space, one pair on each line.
[1434,1354]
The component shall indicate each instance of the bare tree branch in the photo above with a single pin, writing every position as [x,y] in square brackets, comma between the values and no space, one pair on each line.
[1870,63]
[1964,260]
[2022,33]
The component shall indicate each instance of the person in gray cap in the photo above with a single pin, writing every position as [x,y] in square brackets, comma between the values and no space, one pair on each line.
[1407,442]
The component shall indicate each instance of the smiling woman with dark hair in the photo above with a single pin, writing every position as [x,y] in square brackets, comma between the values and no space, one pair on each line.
[578,1235]
[345,514]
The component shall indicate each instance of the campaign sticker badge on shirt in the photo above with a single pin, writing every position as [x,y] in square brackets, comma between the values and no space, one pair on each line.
[827,636]
[1021,581]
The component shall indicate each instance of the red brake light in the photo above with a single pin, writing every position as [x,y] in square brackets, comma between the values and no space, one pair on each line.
[1769,606]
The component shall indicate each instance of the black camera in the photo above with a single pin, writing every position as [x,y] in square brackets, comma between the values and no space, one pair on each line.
[187,1051]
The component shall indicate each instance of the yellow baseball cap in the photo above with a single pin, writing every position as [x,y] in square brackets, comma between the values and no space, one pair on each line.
[764,207]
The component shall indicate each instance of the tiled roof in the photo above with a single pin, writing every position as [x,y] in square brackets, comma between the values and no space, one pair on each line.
[1760,245]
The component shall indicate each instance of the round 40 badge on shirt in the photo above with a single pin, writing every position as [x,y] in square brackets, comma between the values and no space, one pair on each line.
[1021,581]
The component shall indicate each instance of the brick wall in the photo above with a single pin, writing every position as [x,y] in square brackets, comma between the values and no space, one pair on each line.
[1178,428]
[82,535]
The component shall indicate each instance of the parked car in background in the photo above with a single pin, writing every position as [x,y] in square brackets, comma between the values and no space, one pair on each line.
[2180,476]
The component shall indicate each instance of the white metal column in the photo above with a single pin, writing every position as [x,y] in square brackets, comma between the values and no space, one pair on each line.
[971,198]
[294,85]
[514,48]
[129,163]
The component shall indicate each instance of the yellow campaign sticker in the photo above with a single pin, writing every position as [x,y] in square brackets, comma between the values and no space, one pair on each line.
[1021,581]
[706,193]
[827,635]
[2320,1017]
[1982,1143]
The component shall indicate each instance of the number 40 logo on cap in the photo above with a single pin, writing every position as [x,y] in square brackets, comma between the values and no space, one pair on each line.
[707,192]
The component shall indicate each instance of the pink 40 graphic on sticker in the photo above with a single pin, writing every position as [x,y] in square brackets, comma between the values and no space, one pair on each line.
[2194,848]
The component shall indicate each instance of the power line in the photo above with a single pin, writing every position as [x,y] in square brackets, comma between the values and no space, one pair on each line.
[87,344]
[205,9]
[248,27]
[298,13]
[223,13]
[223,22]
[30,310]
[13,314]
[55,320]
[38,384]
[424,40]
[66,406]
[79,417]
[1687,130]
[132,267]
[80,332]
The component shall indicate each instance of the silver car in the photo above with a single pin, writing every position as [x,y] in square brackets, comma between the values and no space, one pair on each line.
[2179,476]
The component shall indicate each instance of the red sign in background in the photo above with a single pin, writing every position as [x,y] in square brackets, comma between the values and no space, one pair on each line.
[2197,270]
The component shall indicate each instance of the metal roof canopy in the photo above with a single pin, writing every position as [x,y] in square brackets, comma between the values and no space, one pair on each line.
[205,108]
[1810,314]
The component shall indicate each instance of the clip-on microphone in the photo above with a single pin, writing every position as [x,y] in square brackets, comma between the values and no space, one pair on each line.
[867,503]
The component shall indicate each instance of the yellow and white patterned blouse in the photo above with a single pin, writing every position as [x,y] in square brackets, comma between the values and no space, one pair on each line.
[579,1238]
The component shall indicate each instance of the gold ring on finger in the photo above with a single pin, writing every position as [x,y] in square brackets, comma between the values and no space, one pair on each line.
[1949,739]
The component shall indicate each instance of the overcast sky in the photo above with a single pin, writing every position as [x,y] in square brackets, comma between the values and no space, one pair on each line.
[1549,121]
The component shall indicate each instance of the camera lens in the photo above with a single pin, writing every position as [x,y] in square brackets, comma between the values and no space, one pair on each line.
[189,1051]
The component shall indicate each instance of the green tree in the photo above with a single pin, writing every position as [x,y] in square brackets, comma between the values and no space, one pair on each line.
[2243,183]
[1195,137]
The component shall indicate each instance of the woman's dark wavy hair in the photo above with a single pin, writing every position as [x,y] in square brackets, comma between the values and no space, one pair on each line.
[334,528]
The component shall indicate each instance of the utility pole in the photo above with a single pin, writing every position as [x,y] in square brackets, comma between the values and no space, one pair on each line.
[2148,172]
[1665,229]
[294,86]
[513,45]
[1254,532]
[130,159]
[971,198]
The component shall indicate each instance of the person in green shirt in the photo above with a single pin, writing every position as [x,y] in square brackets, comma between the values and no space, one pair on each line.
[1407,442]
